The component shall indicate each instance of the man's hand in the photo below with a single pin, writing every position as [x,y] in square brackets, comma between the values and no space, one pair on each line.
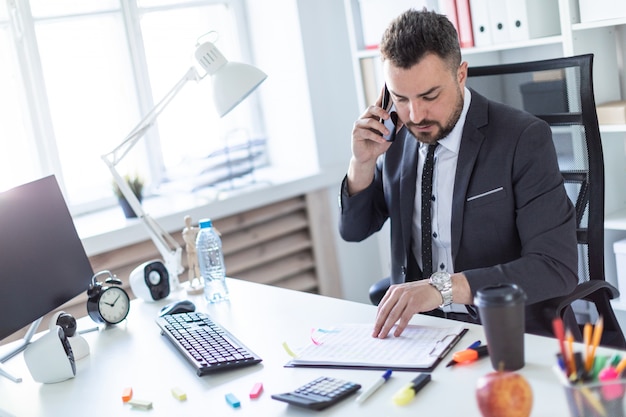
[367,145]
[401,302]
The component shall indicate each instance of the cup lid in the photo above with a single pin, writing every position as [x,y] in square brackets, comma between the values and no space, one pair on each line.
[499,295]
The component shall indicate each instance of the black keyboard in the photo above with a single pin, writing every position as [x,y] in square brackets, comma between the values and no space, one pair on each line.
[206,345]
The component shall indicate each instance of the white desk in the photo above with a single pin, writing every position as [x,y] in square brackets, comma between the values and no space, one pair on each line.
[135,355]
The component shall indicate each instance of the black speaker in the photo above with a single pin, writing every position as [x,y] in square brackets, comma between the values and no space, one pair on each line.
[150,281]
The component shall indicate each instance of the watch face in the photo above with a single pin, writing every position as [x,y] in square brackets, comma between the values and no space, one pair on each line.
[440,279]
[114,305]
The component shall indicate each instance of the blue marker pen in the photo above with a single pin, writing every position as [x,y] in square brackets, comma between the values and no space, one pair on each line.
[372,389]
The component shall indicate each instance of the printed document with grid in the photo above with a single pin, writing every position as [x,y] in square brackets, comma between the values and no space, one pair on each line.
[352,345]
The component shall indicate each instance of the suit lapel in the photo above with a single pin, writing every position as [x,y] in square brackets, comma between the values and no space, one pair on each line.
[471,142]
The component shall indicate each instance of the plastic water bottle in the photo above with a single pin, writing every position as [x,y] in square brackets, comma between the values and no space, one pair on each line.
[211,262]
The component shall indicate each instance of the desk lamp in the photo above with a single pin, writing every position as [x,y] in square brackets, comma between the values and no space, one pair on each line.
[232,83]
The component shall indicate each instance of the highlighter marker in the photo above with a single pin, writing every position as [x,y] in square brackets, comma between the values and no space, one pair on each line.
[406,394]
[469,355]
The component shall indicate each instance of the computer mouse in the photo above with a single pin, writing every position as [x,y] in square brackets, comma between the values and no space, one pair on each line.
[182,306]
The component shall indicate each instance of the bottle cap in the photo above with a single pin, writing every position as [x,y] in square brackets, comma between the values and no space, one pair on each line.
[204,223]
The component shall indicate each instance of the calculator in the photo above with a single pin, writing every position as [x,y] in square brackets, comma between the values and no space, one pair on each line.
[320,393]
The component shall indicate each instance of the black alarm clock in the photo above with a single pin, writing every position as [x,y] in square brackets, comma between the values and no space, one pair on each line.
[107,303]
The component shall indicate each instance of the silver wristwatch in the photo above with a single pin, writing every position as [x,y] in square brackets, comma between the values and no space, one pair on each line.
[443,283]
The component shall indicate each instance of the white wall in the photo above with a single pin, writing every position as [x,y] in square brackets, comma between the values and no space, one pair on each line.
[310,103]
[277,46]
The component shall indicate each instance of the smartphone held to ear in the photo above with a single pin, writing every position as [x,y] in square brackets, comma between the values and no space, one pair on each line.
[389,123]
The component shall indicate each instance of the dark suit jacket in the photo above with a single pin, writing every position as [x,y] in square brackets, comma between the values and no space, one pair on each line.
[511,218]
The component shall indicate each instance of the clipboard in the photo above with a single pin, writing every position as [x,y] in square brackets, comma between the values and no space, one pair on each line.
[351,346]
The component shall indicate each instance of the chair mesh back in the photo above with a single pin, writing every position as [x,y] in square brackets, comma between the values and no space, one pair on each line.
[560,92]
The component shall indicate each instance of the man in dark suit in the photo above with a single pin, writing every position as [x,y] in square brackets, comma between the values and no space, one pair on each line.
[499,211]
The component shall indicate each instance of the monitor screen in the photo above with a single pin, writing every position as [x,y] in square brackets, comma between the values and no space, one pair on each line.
[42,260]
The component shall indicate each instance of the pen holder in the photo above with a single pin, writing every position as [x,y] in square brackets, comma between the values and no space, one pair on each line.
[596,399]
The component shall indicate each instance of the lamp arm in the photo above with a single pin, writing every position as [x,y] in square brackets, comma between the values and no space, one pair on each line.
[120,151]
[165,243]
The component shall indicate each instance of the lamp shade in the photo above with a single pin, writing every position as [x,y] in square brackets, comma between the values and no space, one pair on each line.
[232,81]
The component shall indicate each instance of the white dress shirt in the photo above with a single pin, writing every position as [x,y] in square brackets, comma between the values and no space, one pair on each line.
[446,156]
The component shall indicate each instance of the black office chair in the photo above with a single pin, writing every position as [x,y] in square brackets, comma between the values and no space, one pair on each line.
[560,91]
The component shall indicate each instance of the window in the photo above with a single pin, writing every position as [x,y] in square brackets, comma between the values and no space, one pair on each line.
[81,74]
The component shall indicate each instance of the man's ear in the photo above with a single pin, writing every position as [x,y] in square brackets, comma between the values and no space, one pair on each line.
[461,73]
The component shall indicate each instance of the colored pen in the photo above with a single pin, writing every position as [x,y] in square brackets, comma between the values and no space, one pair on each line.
[406,394]
[472,346]
[559,332]
[373,388]
[469,355]
[595,341]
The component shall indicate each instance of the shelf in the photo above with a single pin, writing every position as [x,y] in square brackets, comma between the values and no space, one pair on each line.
[496,47]
[531,43]
[599,24]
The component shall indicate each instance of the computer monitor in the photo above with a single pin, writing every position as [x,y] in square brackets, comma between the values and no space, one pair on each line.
[42,260]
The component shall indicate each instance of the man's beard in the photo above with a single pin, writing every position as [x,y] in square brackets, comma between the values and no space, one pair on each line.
[442,131]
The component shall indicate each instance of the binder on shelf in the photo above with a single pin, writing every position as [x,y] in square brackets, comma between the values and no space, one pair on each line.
[594,10]
[500,30]
[464,18]
[481,27]
[530,19]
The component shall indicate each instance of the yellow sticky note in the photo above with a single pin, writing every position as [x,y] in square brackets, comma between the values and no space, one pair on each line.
[179,394]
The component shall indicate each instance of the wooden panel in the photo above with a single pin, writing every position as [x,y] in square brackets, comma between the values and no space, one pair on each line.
[281,269]
[266,252]
[250,218]
[263,232]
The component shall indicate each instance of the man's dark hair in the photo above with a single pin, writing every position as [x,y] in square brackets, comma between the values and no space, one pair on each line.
[414,34]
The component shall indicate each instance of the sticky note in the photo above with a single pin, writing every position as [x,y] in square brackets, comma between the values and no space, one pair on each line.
[179,394]
[127,394]
[256,390]
[232,400]
[146,405]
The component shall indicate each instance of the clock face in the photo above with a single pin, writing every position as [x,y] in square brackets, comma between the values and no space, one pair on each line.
[114,305]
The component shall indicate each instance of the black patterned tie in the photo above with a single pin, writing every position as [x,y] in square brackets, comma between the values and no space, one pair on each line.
[427,194]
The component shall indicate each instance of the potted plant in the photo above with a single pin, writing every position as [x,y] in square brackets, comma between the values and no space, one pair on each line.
[136,183]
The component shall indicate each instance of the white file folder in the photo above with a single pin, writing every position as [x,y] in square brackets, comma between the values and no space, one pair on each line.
[480,22]
[500,30]
[530,19]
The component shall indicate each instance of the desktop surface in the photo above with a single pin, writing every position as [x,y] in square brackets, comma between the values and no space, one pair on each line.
[134,354]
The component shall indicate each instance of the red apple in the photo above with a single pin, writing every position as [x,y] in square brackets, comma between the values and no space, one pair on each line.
[504,394]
